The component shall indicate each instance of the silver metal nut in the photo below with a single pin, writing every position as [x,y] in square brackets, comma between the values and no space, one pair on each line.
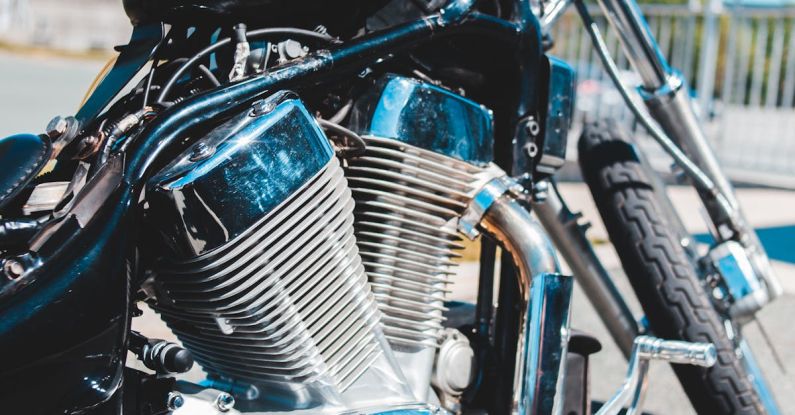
[201,152]
[13,269]
[174,401]
[225,402]
[56,127]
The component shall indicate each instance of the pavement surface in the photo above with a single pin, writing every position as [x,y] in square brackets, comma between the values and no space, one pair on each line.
[33,89]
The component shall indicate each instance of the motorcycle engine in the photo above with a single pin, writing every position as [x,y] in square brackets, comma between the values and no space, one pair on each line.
[261,279]
[291,294]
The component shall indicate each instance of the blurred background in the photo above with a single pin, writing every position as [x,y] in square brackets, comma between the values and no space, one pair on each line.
[739,59]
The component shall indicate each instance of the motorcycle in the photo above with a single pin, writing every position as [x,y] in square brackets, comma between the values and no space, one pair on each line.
[287,185]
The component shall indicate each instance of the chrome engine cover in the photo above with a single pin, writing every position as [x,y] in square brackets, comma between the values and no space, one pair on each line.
[261,278]
[428,153]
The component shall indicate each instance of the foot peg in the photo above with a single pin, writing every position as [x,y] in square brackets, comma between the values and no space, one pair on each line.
[645,349]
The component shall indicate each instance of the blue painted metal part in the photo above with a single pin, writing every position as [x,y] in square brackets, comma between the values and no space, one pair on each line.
[22,156]
[559,113]
[426,116]
[64,323]
[225,182]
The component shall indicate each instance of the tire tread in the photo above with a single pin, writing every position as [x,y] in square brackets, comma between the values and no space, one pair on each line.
[661,273]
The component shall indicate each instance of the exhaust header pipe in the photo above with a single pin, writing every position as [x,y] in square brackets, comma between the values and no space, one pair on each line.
[496,211]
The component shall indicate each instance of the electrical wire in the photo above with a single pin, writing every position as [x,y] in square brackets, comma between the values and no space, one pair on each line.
[343,112]
[209,75]
[358,146]
[253,34]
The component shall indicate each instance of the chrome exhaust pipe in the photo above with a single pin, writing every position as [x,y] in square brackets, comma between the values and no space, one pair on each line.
[496,211]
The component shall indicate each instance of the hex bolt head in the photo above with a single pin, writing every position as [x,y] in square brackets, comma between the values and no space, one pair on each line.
[13,269]
[224,402]
[293,49]
[175,401]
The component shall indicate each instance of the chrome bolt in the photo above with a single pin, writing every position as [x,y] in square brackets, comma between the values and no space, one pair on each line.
[201,152]
[541,191]
[56,127]
[174,401]
[13,269]
[532,127]
[531,149]
[224,402]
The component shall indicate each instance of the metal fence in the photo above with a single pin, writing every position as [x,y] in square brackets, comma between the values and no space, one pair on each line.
[740,65]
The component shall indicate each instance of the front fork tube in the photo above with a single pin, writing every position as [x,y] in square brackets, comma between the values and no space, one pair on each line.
[672,108]
[666,96]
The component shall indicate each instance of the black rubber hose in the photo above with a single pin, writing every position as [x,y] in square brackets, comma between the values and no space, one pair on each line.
[357,145]
[253,34]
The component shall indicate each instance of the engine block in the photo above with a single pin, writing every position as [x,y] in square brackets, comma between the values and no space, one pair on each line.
[408,203]
[263,282]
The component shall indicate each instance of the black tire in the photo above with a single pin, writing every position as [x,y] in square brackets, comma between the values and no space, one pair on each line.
[662,276]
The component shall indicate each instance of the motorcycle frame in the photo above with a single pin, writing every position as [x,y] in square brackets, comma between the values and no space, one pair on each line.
[120,183]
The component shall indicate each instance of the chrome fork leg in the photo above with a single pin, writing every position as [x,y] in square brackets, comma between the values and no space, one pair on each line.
[666,96]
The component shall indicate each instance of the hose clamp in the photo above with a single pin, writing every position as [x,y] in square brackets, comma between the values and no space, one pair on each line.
[482,201]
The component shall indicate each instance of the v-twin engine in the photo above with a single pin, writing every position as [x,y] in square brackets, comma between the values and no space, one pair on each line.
[293,297]
[263,282]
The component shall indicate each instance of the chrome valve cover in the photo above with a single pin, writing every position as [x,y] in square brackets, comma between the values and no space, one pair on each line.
[261,279]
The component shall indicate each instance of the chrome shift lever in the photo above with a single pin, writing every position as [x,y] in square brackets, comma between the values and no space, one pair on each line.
[645,349]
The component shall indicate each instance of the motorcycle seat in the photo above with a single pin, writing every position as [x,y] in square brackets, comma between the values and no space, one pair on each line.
[22,156]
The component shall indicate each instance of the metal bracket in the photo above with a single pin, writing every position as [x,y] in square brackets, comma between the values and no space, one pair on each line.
[483,200]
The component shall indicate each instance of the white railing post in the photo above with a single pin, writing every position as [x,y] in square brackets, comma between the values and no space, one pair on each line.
[709,56]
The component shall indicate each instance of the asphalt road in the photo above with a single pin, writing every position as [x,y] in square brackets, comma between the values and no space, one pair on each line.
[34,89]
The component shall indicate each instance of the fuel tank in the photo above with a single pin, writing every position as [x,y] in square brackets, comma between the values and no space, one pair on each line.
[283,11]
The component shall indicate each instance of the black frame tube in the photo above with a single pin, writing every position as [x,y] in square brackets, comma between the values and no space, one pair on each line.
[174,122]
